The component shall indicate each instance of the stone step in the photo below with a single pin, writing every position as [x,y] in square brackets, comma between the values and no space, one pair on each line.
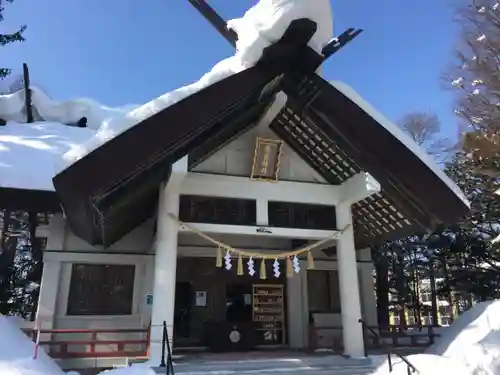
[306,365]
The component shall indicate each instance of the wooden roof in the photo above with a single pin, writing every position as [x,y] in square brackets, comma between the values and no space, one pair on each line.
[115,187]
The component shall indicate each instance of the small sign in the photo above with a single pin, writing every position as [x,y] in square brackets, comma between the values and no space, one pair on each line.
[201,298]
[234,336]
[149,299]
[266,159]
[264,230]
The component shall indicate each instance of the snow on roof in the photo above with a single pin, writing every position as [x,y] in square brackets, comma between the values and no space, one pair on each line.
[12,108]
[31,153]
[261,26]
[404,138]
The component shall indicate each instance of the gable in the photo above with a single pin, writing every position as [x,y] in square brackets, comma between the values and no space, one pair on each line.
[236,157]
[104,193]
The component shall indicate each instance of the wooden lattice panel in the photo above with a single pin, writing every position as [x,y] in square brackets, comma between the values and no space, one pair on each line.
[376,217]
[322,152]
[379,218]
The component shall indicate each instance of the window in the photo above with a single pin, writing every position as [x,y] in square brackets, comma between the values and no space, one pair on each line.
[199,209]
[299,215]
[426,297]
[41,243]
[323,291]
[101,289]
[43,218]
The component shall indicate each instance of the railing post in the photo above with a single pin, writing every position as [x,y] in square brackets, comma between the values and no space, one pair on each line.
[389,361]
[163,342]
[364,337]
[170,363]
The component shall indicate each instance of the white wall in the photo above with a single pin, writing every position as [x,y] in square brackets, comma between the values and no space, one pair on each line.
[236,159]
[328,337]
[64,249]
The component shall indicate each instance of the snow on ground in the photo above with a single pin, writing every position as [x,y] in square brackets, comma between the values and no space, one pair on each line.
[474,339]
[17,350]
[261,26]
[137,369]
[31,153]
[470,346]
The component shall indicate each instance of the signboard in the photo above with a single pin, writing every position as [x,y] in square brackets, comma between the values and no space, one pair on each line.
[201,298]
[149,299]
[268,314]
[266,159]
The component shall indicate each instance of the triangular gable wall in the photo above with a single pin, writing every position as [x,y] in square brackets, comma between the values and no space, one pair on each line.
[235,159]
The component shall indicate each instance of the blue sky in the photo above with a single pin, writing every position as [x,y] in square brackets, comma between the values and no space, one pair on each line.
[123,51]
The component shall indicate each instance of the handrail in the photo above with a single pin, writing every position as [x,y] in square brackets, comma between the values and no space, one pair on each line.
[409,366]
[165,347]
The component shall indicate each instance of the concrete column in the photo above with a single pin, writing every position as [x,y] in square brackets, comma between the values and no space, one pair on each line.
[164,272]
[352,330]
[49,289]
[369,302]
[52,266]
[297,309]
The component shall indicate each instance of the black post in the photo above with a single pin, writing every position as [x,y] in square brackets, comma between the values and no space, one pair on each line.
[27,93]
[166,344]
[365,336]
[163,340]
[389,361]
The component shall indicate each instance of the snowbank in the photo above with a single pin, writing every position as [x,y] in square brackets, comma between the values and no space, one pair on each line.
[426,364]
[16,353]
[474,339]
[470,346]
[31,153]
[261,26]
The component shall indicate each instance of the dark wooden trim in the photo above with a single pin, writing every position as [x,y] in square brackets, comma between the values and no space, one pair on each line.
[29,200]
[215,20]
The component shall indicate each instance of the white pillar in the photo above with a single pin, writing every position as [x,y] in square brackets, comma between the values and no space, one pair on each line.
[49,286]
[164,271]
[352,330]
[47,300]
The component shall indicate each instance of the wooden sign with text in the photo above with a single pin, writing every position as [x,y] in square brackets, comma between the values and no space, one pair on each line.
[266,159]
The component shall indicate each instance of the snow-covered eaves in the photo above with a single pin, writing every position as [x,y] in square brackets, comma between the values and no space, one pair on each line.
[29,157]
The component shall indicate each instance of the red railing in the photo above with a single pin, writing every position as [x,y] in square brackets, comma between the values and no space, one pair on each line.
[93,345]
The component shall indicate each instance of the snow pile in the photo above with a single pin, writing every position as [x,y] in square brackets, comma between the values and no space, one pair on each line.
[474,339]
[67,112]
[426,364]
[470,346]
[261,26]
[31,153]
[267,21]
[16,353]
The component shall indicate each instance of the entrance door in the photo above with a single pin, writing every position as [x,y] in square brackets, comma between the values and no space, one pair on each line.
[182,310]
[238,305]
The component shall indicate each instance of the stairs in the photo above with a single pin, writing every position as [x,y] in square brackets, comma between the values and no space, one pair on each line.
[313,365]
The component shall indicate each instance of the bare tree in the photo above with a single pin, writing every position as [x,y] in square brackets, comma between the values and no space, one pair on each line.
[476,73]
[424,128]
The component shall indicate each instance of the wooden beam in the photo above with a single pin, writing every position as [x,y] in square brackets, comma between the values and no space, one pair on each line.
[215,20]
